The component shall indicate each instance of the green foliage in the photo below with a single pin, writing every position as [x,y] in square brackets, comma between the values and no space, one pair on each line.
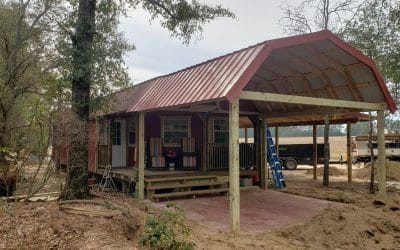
[167,231]
[183,18]
[24,69]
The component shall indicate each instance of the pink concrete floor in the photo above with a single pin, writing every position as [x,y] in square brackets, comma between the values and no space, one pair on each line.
[261,210]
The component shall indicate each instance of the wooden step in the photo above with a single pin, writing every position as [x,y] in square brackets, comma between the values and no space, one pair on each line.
[189,184]
[181,178]
[194,192]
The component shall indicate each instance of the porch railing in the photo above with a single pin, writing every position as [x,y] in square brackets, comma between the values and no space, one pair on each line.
[218,155]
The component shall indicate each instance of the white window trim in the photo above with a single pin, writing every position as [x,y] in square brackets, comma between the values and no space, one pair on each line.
[163,118]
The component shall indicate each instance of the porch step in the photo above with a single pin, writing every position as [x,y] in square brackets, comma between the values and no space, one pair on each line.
[181,178]
[194,192]
[190,184]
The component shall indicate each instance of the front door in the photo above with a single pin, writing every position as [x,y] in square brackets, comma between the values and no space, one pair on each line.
[118,140]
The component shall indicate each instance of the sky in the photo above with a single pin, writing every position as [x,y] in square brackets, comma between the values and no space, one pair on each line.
[157,53]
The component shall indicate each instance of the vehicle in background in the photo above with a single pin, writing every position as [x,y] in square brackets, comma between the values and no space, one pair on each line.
[292,155]
[363,150]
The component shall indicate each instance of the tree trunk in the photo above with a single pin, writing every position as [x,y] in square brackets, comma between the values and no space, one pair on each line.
[325,180]
[76,184]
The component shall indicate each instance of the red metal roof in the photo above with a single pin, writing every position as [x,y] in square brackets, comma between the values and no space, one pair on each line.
[226,76]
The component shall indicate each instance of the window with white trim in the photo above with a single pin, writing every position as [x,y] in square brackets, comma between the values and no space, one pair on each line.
[116,133]
[174,129]
[221,130]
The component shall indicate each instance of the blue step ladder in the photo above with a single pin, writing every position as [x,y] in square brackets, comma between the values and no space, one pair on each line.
[274,162]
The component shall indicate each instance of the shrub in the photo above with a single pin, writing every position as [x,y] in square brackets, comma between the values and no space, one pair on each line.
[167,231]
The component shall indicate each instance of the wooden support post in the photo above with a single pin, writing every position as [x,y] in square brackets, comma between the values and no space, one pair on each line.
[325,180]
[263,156]
[140,156]
[381,154]
[349,158]
[315,151]
[277,140]
[234,184]
[246,135]
[205,141]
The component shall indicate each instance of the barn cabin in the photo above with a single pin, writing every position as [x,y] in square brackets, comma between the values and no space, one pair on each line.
[201,130]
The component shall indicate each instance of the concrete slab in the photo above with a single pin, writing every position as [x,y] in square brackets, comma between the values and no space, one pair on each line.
[260,210]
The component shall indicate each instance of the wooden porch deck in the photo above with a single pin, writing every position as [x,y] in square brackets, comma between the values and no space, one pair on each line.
[164,184]
[129,173]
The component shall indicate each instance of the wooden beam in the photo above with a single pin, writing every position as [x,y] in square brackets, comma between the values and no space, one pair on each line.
[315,152]
[234,184]
[315,111]
[272,97]
[263,160]
[338,67]
[325,179]
[349,158]
[277,140]
[204,119]
[140,155]
[381,155]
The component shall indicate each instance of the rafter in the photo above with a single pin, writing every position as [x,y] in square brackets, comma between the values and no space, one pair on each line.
[322,102]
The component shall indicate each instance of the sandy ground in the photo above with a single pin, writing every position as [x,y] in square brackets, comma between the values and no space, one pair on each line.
[357,224]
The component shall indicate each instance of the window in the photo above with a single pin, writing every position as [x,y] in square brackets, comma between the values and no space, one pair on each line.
[103,132]
[221,130]
[174,129]
[116,133]
[131,132]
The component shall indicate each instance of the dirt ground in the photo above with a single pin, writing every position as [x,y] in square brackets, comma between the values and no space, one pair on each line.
[357,224]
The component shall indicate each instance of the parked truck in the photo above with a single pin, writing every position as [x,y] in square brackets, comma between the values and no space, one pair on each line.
[291,155]
[363,150]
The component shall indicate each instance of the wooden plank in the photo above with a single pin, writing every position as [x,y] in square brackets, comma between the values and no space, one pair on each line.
[161,179]
[140,155]
[349,158]
[184,193]
[388,137]
[234,184]
[189,184]
[323,102]
[263,160]
[277,140]
[325,179]
[315,152]
[381,155]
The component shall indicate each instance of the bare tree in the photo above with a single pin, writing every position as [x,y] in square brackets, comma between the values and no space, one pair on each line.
[314,15]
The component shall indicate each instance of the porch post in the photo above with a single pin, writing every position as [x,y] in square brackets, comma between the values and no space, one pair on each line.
[325,178]
[315,152]
[277,140]
[349,158]
[263,155]
[140,154]
[381,154]
[234,186]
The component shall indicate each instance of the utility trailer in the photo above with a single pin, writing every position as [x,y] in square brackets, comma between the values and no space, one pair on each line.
[291,155]
[363,150]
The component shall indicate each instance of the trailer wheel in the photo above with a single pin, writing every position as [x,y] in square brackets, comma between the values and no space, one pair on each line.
[291,164]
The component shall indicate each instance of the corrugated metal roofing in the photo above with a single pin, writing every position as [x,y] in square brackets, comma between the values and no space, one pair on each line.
[203,82]
[256,68]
